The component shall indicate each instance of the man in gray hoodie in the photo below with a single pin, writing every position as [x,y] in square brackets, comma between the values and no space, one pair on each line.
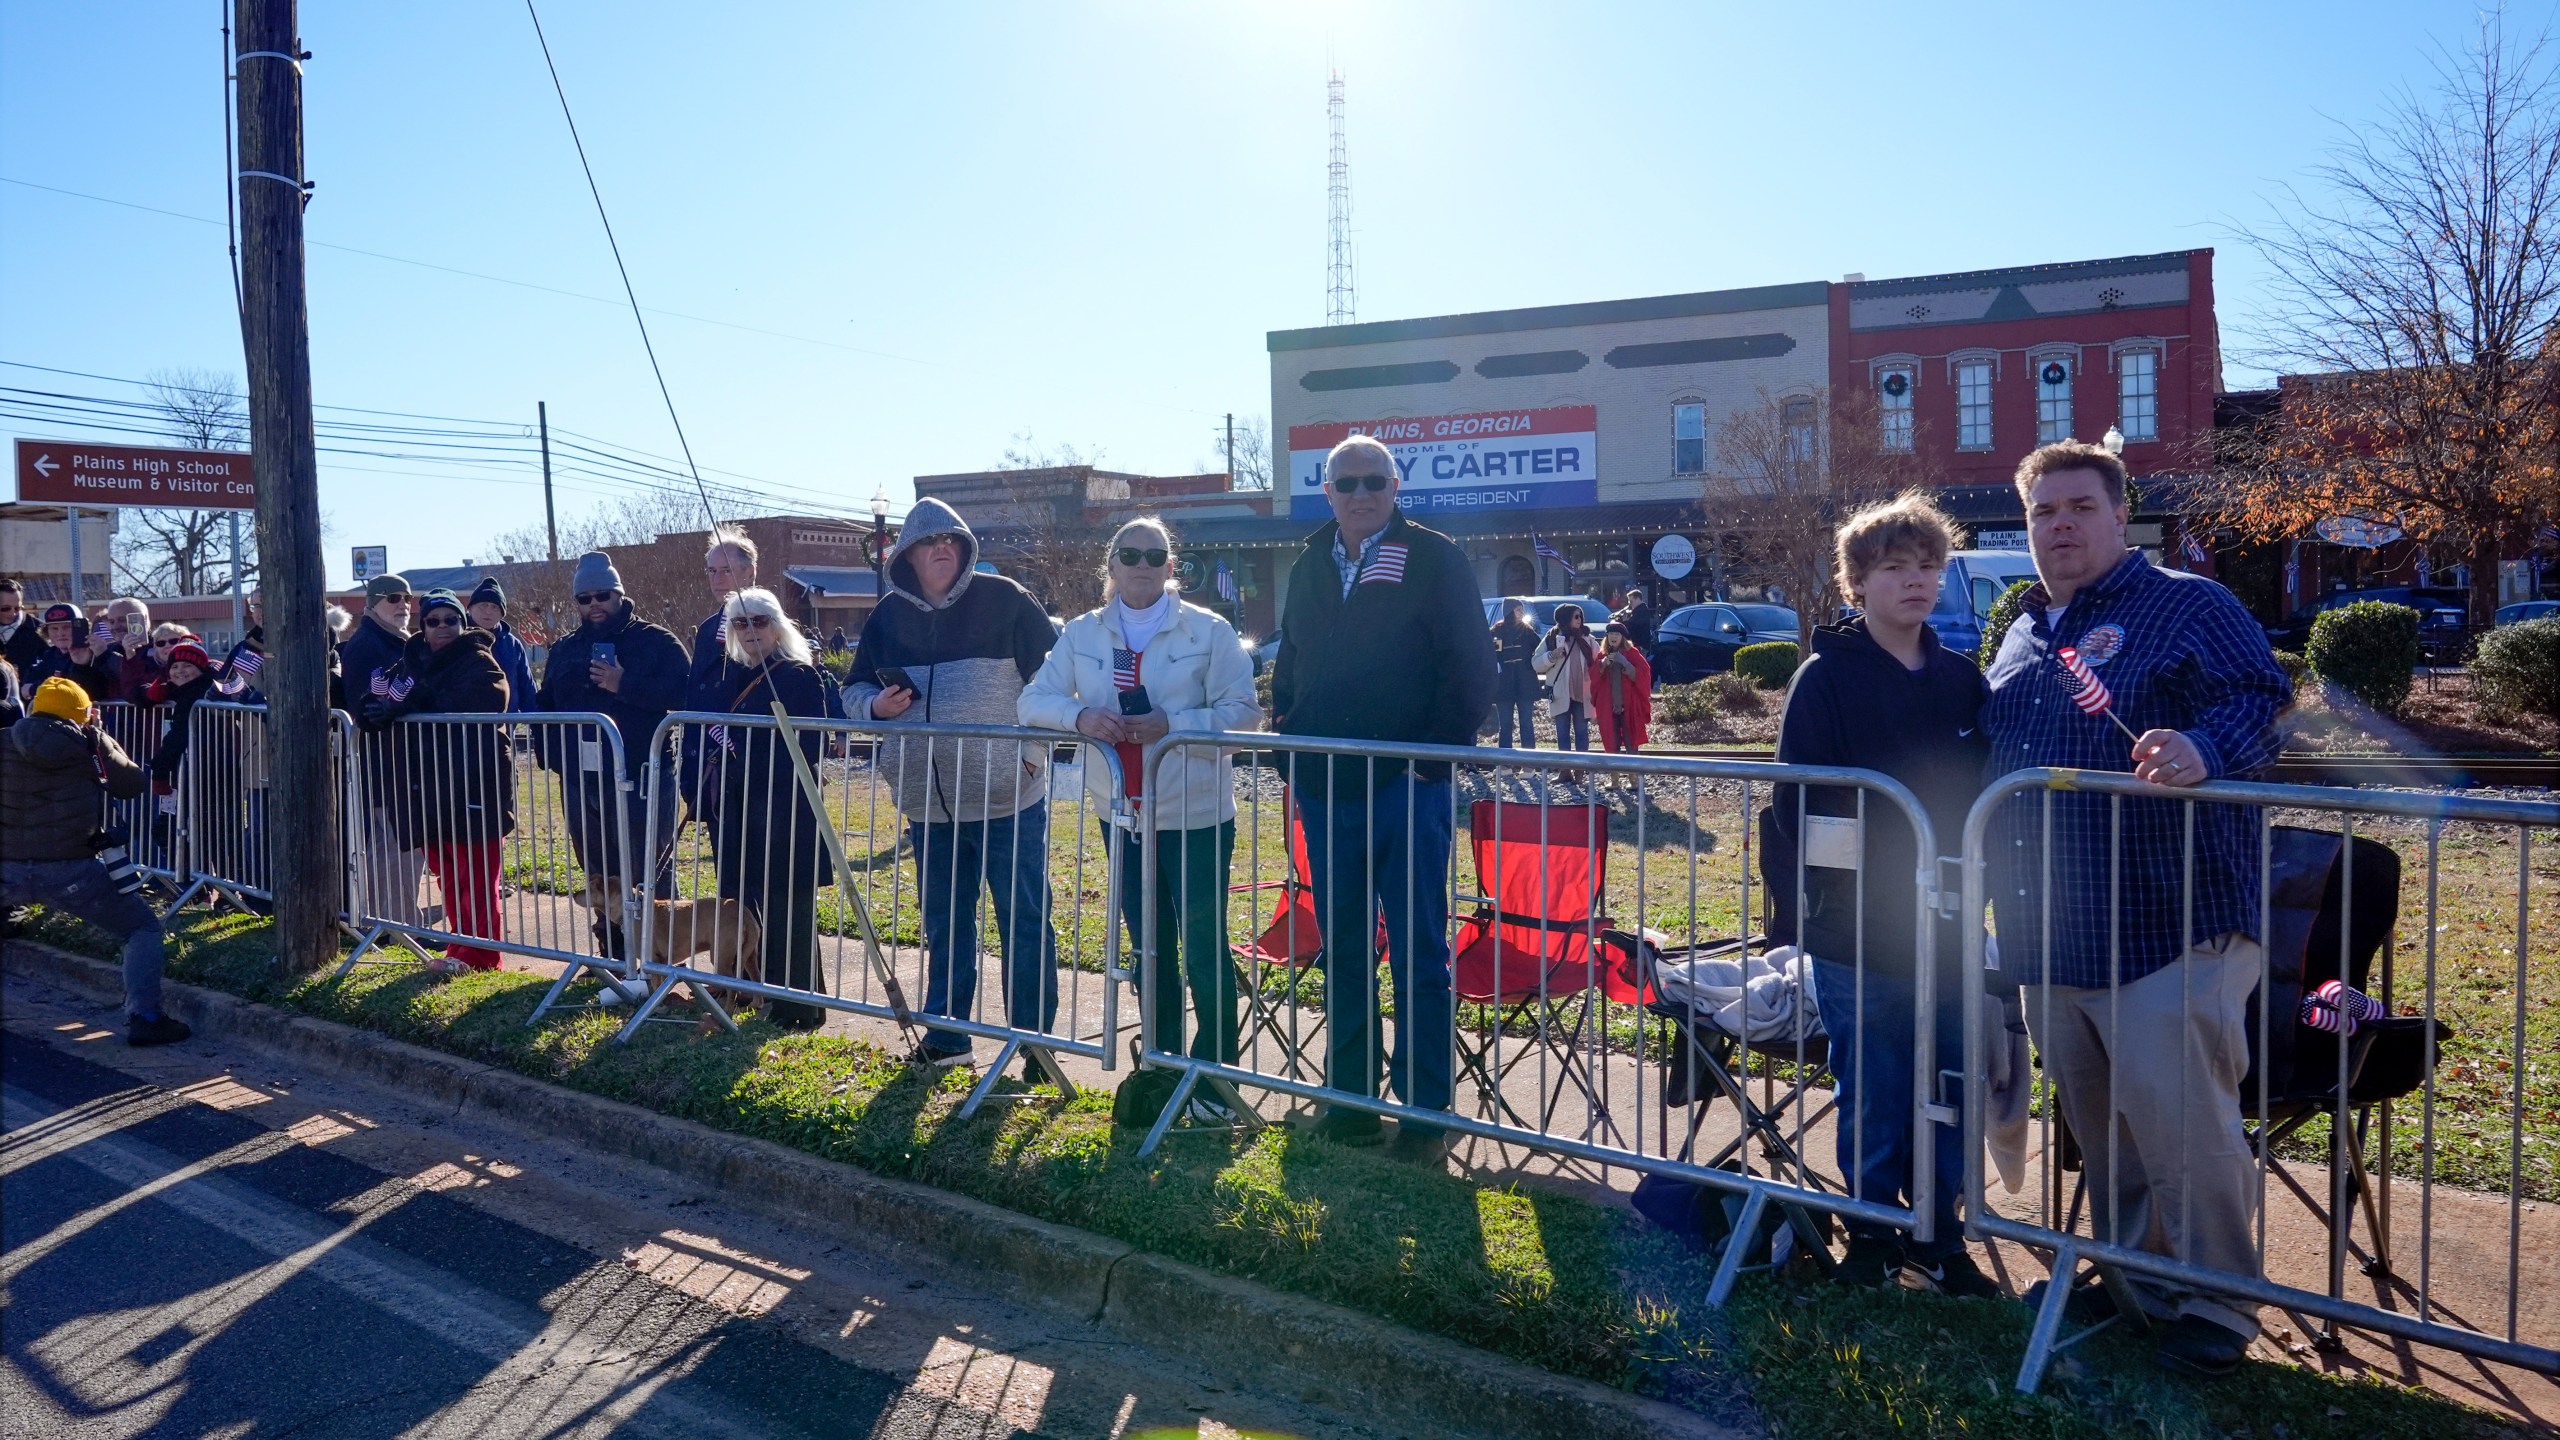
[950,646]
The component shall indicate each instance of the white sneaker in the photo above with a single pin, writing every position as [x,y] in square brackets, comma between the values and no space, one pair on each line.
[618,993]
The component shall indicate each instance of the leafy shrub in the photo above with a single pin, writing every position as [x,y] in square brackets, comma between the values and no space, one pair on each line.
[2003,611]
[2368,649]
[1768,665]
[1690,704]
[840,665]
[2516,670]
[1735,695]
[2296,669]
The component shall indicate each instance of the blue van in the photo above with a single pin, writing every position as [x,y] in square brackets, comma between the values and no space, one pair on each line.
[1974,582]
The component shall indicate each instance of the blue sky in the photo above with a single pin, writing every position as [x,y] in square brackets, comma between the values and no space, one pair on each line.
[927,228]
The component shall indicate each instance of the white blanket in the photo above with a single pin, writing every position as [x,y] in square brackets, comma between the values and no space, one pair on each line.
[1759,998]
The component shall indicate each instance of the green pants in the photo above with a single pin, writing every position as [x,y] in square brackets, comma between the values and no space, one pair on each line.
[1191,934]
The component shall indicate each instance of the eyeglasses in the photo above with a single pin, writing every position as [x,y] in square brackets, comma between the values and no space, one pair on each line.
[756,622]
[442,620]
[393,599]
[1132,555]
[594,597]
[1348,484]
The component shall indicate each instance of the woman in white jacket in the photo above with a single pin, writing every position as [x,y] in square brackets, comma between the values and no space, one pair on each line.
[1142,665]
[1566,657]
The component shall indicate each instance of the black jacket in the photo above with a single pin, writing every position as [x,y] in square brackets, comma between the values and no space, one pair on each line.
[52,796]
[1855,705]
[182,701]
[370,646]
[450,783]
[1640,625]
[654,668]
[99,676]
[24,643]
[1405,658]
[762,825]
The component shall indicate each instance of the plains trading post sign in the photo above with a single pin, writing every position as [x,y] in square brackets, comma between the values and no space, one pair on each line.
[1498,459]
[83,473]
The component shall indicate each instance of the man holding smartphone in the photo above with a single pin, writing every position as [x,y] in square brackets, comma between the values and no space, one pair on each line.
[1384,639]
[948,645]
[632,672]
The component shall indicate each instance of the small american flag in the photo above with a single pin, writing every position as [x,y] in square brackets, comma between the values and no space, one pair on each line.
[2292,565]
[102,634]
[1387,567]
[1124,668]
[2087,690]
[1548,551]
[391,687]
[1226,583]
[2426,568]
[380,684]
[2196,553]
[230,684]
[2338,1009]
[245,661]
[2547,535]
[720,736]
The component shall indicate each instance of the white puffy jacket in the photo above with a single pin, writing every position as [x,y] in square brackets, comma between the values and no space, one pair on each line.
[1194,670]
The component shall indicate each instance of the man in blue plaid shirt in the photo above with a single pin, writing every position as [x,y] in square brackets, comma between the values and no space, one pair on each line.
[2133,931]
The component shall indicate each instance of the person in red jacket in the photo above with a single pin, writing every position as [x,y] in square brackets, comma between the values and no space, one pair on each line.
[1622,692]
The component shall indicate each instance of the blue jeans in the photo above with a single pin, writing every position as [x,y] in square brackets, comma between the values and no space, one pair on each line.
[85,889]
[1526,709]
[1573,727]
[1872,1048]
[1389,853]
[1009,856]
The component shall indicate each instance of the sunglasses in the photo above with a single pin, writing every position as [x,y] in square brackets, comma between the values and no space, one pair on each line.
[1351,484]
[442,620]
[756,622]
[393,599]
[593,597]
[1133,556]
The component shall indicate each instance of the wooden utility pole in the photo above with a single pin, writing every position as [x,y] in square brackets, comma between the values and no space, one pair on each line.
[550,516]
[308,876]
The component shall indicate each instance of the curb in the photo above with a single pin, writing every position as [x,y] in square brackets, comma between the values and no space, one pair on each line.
[1369,1369]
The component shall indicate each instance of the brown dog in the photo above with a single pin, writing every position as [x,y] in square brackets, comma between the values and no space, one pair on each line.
[682,929]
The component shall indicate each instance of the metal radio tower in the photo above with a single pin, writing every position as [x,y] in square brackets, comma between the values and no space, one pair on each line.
[1341,296]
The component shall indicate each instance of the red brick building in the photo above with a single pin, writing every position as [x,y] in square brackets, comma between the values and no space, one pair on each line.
[1973,370]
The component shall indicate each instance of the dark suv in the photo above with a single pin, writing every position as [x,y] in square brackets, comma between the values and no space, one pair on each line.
[2440,634]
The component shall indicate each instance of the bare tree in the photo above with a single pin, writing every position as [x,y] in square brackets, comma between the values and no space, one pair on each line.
[188,552]
[663,580]
[1026,453]
[1249,467]
[1790,468]
[2420,289]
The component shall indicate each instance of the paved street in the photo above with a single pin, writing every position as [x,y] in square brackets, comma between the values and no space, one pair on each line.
[202,1241]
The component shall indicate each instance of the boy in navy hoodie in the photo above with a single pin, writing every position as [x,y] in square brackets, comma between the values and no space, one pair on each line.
[1880,693]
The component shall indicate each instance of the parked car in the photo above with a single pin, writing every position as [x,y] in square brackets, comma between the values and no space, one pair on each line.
[1974,582]
[1695,641]
[1264,653]
[2524,610]
[2294,633]
[1542,609]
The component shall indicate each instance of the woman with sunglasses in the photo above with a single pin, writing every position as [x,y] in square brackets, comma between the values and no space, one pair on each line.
[764,833]
[1124,675]
[452,787]
[1567,657]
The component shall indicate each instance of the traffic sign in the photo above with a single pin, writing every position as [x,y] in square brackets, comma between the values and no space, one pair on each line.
[85,473]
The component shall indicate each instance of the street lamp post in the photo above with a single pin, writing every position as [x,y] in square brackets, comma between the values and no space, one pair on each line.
[879,545]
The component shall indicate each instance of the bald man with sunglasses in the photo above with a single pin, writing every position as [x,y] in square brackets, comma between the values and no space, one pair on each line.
[1383,639]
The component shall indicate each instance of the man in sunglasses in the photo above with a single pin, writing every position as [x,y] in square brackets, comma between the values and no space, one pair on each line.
[392,874]
[1383,639]
[21,636]
[633,673]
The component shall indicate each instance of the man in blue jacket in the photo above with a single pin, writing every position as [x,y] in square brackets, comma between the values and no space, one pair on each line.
[489,612]
[631,672]
[1384,639]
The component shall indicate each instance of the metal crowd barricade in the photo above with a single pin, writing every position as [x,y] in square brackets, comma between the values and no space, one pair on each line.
[223,789]
[1575,1025]
[485,834]
[773,898]
[2332,905]
[152,823]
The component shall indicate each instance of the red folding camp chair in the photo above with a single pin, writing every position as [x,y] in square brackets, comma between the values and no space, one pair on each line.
[1540,957]
[1294,940]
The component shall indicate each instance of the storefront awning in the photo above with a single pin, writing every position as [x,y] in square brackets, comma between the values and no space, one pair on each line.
[834,581]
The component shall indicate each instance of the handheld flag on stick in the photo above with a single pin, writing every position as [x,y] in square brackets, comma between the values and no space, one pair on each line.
[2089,692]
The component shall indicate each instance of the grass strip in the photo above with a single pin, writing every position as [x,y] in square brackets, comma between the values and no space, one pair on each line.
[1550,1279]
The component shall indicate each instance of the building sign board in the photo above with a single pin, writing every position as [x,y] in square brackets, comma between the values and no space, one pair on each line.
[371,560]
[1505,459]
[86,473]
[2356,532]
[1674,557]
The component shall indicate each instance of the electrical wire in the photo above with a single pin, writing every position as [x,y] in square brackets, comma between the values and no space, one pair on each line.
[621,269]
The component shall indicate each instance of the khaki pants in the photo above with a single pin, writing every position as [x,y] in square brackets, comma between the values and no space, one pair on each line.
[2149,1079]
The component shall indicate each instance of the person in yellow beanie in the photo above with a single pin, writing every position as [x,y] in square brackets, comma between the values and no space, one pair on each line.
[57,770]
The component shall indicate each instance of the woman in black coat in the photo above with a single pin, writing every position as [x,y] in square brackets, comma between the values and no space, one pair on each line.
[1515,683]
[764,832]
[453,784]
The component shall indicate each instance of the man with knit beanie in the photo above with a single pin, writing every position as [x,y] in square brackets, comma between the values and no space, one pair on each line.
[57,769]
[632,672]
[489,612]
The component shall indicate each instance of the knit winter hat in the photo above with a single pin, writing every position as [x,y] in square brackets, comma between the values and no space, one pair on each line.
[595,572]
[489,592]
[63,699]
[192,652]
[434,598]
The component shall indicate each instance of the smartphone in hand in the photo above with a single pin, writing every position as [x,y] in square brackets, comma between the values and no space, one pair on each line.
[603,653]
[893,678]
[1134,701]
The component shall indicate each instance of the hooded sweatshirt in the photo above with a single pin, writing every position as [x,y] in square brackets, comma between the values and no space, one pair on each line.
[969,654]
[1854,704]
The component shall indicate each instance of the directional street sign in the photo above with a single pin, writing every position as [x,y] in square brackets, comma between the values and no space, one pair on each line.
[95,476]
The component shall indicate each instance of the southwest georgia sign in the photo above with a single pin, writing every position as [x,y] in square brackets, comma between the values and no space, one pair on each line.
[1505,459]
[83,473]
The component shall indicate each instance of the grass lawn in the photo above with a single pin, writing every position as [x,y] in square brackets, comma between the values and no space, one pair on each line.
[1537,1276]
